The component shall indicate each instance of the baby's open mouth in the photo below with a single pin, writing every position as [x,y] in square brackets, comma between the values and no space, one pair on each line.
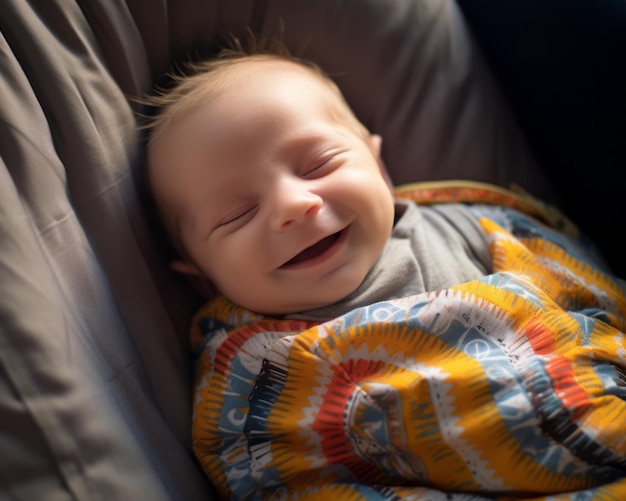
[314,250]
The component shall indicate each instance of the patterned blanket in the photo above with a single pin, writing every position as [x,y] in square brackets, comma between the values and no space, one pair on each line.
[508,387]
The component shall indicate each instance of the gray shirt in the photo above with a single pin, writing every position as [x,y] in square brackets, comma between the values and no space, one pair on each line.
[430,248]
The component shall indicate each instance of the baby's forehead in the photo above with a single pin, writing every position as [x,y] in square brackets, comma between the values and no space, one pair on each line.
[235,79]
[244,81]
[248,73]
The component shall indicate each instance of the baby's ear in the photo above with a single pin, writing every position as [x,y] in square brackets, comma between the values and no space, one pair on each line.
[196,278]
[376,141]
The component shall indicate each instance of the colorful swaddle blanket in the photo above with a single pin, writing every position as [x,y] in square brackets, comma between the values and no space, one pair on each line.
[508,387]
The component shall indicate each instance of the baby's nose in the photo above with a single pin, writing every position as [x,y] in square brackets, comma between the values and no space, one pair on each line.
[294,204]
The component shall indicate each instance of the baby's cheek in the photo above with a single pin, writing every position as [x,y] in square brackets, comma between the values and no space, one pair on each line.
[232,265]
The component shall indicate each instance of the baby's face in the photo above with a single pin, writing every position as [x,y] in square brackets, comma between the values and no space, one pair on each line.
[279,201]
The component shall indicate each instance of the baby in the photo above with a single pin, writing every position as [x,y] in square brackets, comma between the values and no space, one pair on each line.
[473,349]
[271,188]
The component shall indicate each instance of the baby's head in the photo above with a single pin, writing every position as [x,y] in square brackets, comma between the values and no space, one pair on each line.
[267,183]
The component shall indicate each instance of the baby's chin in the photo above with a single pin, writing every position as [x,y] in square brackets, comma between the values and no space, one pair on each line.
[291,307]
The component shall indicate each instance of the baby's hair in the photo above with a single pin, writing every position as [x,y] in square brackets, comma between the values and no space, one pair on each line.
[187,83]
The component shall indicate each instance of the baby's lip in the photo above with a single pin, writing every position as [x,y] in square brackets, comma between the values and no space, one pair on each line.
[314,251]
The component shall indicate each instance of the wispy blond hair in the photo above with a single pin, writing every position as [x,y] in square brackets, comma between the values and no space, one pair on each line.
[191,84]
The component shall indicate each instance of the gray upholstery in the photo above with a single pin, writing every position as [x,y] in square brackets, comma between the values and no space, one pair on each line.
[95,382]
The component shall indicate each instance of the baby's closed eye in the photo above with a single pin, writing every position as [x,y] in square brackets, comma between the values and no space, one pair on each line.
[321,166]
[239,216]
